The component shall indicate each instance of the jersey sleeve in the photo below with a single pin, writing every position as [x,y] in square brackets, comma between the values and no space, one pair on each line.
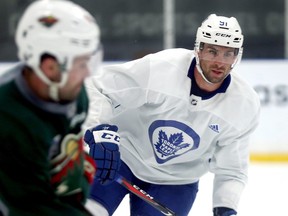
[230,166]
[115,88]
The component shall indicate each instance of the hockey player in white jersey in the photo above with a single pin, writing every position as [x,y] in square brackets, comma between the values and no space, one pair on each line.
[180,113]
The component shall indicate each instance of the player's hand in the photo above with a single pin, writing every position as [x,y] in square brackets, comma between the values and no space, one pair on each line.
[223,211]
[103,141]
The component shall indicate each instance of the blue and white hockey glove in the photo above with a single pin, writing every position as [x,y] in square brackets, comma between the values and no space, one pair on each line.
[103,141]
[223,211]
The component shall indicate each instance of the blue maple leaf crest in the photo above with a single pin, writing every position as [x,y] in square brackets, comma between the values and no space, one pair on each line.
[169,146]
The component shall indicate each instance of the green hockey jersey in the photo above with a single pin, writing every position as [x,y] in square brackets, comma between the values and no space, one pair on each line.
[43,167]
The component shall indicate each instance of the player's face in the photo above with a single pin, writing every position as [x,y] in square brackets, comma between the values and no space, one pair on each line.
[216,62]
[76,77]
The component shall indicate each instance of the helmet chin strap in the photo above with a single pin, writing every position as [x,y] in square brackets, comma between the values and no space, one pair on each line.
[54,92]
[199,69]
[53,86]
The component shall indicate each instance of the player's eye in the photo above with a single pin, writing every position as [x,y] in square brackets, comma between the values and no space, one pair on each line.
[229,54]
[212,52]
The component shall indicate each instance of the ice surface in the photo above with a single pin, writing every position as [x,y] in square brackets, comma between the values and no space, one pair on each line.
[265,194]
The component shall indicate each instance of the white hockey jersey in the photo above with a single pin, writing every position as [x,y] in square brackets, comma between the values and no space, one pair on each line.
[171,132]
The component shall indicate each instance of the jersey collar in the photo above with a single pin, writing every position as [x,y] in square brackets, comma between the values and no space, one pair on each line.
[195,90]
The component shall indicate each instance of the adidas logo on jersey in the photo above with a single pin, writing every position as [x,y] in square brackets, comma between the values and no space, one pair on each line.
[214,127]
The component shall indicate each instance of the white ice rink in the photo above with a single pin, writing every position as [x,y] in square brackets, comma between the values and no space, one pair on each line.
[265,195]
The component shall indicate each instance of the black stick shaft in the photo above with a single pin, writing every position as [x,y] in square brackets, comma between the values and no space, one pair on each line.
[144,196]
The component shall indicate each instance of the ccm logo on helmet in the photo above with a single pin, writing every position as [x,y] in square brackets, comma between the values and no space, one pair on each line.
[223,35]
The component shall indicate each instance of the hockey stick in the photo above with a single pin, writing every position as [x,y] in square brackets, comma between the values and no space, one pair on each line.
[144,196]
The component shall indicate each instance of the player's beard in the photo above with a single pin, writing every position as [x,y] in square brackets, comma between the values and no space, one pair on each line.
[216,74]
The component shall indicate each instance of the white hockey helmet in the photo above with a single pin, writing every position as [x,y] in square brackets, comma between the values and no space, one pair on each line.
[59,28]
[221,31]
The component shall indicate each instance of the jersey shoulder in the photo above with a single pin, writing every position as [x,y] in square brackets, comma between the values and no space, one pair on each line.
[241,104]
[242,89]
[178,57]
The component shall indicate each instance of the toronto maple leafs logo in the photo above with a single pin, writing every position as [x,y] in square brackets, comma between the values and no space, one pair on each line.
[171,139]
[169,146]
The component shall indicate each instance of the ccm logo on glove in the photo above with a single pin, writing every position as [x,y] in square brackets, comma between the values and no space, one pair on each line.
[106,136]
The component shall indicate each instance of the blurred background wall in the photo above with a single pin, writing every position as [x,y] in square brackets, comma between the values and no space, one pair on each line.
[132,28]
